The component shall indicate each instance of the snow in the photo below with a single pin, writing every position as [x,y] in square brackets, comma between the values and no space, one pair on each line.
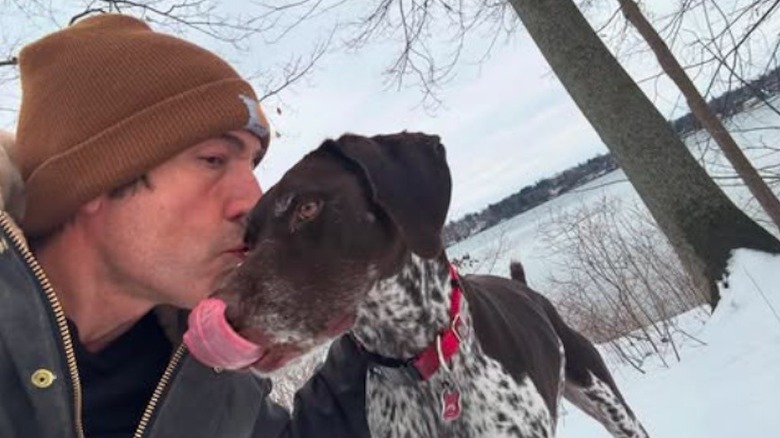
[725,388]
[728,379]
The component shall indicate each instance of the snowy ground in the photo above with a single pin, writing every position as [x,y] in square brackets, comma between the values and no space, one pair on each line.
[724,389]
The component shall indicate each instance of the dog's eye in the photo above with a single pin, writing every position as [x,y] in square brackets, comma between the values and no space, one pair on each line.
[308,210]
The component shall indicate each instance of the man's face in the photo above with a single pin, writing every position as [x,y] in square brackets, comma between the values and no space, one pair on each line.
[173,243]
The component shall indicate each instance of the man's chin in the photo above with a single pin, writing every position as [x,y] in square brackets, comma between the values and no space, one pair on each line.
[207,288]
[191,299]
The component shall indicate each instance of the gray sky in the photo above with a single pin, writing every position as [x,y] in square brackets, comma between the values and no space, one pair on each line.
[506,123]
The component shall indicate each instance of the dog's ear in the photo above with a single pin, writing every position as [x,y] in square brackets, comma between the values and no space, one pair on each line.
[409,179]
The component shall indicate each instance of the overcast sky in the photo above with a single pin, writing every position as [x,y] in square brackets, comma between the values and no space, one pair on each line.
[506,122]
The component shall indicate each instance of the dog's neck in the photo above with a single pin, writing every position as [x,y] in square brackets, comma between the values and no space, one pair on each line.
[402,314]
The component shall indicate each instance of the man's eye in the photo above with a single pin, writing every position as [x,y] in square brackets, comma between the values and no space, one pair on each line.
[213,160]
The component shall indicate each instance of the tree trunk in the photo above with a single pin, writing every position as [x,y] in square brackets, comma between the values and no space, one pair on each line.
[702,112]
[700,221]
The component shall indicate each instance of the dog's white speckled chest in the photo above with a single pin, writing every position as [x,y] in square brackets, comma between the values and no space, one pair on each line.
[492,404]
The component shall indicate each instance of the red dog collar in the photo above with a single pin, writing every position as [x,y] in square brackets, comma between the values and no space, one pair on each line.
[438,354]
[447,343]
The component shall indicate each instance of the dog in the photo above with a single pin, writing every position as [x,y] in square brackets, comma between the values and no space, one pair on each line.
[349,240]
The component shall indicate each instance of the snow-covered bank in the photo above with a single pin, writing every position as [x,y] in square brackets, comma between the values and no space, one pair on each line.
[724,389]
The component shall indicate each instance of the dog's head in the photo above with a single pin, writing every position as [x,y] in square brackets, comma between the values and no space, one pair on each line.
[341,219]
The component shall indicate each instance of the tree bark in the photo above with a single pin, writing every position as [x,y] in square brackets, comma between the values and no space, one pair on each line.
[757,186]
[700,221]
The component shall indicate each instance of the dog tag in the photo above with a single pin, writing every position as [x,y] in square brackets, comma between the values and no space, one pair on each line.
[450,403]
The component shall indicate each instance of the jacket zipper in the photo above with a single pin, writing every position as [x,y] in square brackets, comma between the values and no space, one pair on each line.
[62,324]
[70,356]
[158,391]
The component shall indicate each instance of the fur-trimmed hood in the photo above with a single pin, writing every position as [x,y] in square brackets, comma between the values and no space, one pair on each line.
[11,185]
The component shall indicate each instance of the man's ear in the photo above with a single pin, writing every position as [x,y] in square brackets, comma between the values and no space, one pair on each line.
[409,179]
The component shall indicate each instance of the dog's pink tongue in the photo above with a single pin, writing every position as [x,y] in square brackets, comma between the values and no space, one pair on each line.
[212,341]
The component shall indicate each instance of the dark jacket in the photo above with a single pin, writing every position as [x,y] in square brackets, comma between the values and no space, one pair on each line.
[40,393]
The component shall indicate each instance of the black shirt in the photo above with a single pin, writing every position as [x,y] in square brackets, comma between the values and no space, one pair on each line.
[118,381]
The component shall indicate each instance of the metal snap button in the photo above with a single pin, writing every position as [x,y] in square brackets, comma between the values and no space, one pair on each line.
[42,378]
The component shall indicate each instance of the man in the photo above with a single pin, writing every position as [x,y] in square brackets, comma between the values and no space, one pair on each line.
[137,151]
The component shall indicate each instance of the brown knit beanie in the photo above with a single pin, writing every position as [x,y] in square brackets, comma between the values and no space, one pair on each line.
[106,100]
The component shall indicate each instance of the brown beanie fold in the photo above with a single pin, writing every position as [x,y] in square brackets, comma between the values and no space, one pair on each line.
[106,100]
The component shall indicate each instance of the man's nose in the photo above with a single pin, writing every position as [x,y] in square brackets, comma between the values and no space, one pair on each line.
[246,193]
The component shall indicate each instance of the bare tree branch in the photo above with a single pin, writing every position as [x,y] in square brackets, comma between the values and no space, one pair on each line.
[618,282]
[238,30]
[764,17]
[86,12]
[198,15]
[703,113]
[294,71]
[414,24]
